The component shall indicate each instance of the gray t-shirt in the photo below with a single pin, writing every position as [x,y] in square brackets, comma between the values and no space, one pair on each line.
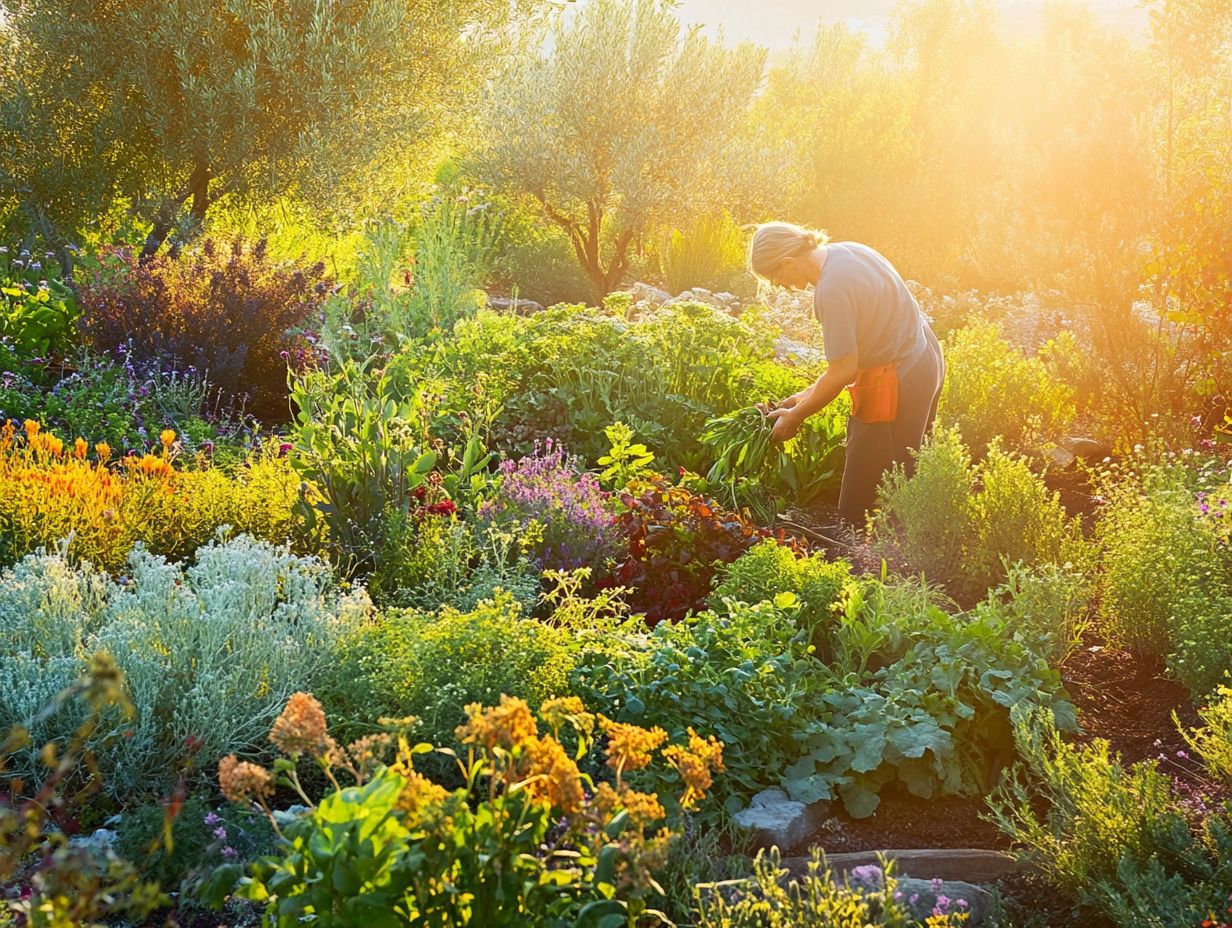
[864,306]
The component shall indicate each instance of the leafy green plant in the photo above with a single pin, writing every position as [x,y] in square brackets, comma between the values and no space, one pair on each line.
[626,460]
[37,312]
[744,675]
[362,449]
[769,568]
[922,696]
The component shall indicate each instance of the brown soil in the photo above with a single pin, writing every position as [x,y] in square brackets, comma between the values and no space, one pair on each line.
[903,822]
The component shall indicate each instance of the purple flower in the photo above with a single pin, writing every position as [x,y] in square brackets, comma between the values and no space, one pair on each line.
[869,876]
[212,818]
[962,903]
[220,833]
[230,853]
[284,449]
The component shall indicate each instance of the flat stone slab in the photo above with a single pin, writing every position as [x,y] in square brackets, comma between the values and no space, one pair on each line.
[779,821]
[973,865]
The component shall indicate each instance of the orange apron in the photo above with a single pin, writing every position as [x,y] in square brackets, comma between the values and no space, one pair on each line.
[874,395]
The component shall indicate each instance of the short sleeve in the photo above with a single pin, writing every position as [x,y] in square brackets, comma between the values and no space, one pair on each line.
[835,308]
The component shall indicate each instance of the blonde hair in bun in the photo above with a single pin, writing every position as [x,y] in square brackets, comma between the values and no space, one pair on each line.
[772,242]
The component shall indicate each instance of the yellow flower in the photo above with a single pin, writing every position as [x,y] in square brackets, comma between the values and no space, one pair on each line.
[302,729]
[103,450]
[504,726]
[629,746]
[80,447]
[32,428]
[166,436]
[241,781]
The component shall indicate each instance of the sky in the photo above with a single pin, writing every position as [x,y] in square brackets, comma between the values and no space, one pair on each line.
[774,23]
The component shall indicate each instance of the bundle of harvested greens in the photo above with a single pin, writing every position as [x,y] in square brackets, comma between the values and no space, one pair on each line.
[761,473]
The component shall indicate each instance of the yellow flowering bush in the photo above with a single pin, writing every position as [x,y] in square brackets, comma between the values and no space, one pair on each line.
[529,839]
[52,492]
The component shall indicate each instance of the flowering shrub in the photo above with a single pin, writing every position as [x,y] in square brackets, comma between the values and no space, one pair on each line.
[528,839]
[103,504]
[223,308]
[871,898]
[571,510]
[209,652]
[676,540]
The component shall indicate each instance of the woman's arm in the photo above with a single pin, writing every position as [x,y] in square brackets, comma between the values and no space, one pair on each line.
[788,419]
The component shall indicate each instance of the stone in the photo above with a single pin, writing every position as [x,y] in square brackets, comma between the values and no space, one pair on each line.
[948,895]
[724,297]
[290,814]
[648,293]
[98,842]
[794,352]
[1060,457]
[779,821]
[519,306]
[975,865]
[1086,448]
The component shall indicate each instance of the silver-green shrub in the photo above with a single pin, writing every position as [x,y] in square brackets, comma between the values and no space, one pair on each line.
[210,652]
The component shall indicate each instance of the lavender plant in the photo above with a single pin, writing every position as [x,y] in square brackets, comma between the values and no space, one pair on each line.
[571,509]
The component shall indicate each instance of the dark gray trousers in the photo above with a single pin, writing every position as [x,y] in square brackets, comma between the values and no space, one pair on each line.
[875,447]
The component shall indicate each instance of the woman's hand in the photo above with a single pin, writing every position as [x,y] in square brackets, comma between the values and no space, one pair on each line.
[787,422]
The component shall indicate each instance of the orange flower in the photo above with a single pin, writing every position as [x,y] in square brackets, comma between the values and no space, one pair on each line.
[419,796]
[32,428]
[629,746]
[644,808]
[302,729]
[695,763]
[241,781]
[554,777]
[149,466]
[504,726]
[80,447]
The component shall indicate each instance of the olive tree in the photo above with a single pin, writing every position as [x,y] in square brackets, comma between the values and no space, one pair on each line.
[627,122]
[175,104]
